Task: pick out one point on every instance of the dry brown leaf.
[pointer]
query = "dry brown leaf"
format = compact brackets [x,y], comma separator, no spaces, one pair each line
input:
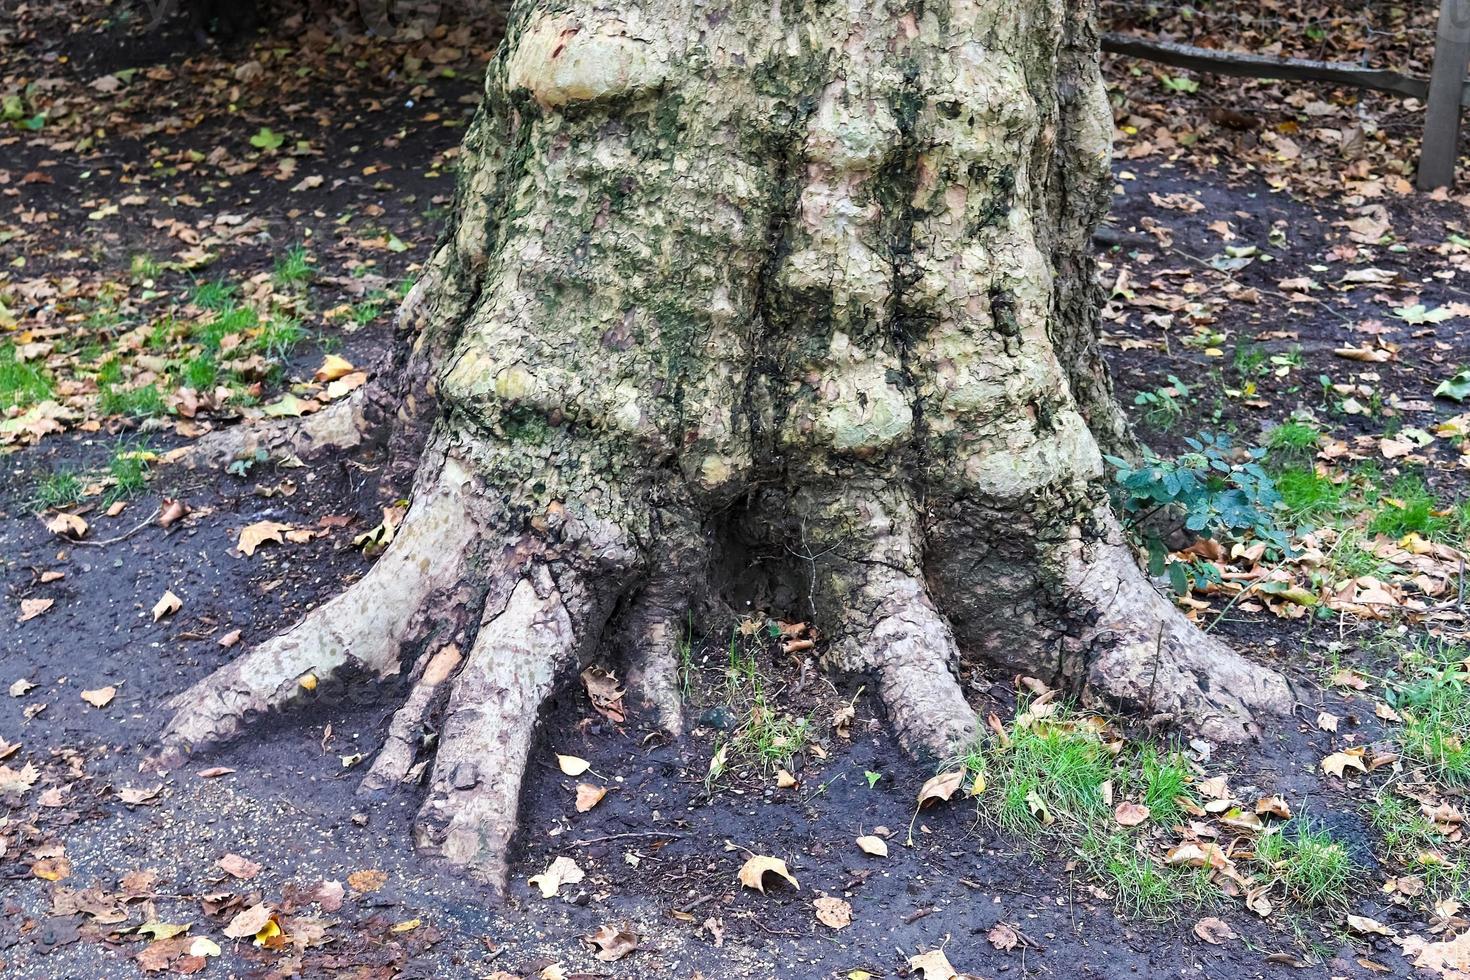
[1131,814]
[875,846]
[252,536]
[237,866]
[1003,936]
[65,525]
[31,608]
[1214,931]
[333,367]
[941,787]
[101,697]
[1338,762]
[367,880]
[588,796]
[612,944]
[753,872]
[833,913]
[249,922]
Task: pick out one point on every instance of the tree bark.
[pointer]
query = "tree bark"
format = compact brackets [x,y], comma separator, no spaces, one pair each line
[805,280]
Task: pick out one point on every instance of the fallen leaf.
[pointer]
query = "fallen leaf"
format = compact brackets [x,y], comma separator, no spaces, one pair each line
[833,913]
[67,526]
[214,772]
[31,608]
[1214,931]
[1368,926]
[21,688]
[562,871]
[252,536]
[167,605]
[588,796]
[941,787]
[1002,936]
[249,922]
[571,765]
[101,697]
[753,872]
[367,880]
[1336,763]
[237,866]
[1131,814]
[875,846]
[612,944]
[933,964]
[333,367]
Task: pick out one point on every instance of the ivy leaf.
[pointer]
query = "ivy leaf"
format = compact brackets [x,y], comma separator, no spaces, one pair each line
[1456,388]
[266,139]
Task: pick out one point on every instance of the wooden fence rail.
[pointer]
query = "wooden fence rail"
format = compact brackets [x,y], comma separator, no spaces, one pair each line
[1445,92]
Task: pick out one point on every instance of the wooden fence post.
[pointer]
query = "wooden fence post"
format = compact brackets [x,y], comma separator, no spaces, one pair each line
[1446,84]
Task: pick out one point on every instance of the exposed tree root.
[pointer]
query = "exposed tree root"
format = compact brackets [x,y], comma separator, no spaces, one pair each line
[362,627]
[395,763]
[344,424]
[1152,660]
[521,650]
[655,631]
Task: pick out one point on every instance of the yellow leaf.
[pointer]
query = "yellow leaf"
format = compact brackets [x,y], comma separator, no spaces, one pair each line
[562,871]
[162,930]
[67,526]
[204,946]
[408,926]
[753,872]
[167,605]
[333,367]
[571,765]
[267,932]
[1338,762]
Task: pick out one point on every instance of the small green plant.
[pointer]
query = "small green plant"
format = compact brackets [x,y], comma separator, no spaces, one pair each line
[1164,406]
[279,337]
[872,777]
[1409,507]
[200,373]
[1141,885]
[57,490]
[294,269]
[1307,495]
[1215,492]
[22,384]
[128,466]
[1293,440]
[1312,866]
[142,402]
[217,295]
[144,266]
[1249,360]
[1429,692]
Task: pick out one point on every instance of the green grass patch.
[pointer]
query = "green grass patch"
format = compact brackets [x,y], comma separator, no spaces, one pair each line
[22,384]
[1307,495]
[1140,884]
[217,295]
[58,490]
[1312,866]
[1429,692]
[139,403]
[128,466]
[293,269]
[1408,507]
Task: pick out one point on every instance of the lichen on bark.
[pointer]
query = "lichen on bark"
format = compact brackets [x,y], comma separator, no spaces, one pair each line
[812,277]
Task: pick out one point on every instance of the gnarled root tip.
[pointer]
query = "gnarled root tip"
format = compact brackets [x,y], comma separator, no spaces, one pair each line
[1149,658]
[485,741]
[655,634]
[365,626]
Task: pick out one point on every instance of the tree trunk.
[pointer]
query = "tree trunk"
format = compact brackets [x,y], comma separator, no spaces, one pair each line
[807,280]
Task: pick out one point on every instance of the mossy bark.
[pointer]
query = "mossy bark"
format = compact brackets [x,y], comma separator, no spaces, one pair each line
[809,277]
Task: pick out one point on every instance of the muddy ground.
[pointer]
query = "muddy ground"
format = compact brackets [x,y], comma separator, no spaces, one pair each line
[661,852]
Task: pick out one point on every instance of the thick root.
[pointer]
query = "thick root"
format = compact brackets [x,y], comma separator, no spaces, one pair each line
[342,425]
[521,650]
[395,764]
[890,626]
[1151,659]
[655,633]
[366,626]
